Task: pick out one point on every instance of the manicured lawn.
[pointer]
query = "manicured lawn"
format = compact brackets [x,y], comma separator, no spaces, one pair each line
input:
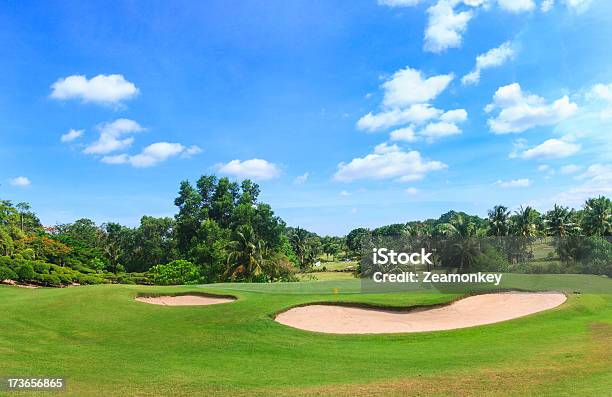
[103,342]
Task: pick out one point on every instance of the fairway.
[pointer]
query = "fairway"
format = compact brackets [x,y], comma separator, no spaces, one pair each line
[101,340]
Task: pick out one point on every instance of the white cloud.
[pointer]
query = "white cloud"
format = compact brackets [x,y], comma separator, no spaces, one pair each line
[492,58]
[444,26]
[256,169]
[150,156]
[570,169]
[191,151]
[596,181]
[405,134]
[20,181]
[454,116]
[439,130]
[408,86]
[301,179]
[412,191]
[517,145]
[551,148]
[385,148]
[102,89]
[71,135]
[344,193]
[578,5]
[111,134]
[117,159]
[547,5]
[396,163]
[521,111]
[446,126]
[156,153]
[602,91]
[523,182]
[599,172]
[544,168]
[517,5]
[416,114]
[399,3]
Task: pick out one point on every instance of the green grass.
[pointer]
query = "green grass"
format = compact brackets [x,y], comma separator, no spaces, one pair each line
[104,342]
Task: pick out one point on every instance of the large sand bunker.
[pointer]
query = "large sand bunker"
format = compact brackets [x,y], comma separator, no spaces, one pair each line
[184,300]
[468,312]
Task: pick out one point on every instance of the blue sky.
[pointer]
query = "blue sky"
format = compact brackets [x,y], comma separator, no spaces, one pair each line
[347,113]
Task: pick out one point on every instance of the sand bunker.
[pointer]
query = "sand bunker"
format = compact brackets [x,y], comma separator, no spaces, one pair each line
[184,300]
[468,312]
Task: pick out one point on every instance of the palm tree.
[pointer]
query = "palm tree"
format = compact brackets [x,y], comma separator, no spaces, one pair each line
[248,256]
[458,226]
[559,221]
[525,222]
[498,220]
[597,219]
[300,242]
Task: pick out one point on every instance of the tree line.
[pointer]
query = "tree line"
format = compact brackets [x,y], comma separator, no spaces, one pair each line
[223,232]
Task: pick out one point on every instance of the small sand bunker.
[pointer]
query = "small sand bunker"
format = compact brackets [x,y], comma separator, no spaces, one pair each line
[184,300]
[468,312]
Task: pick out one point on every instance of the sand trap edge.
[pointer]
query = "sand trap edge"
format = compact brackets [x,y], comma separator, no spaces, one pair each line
[165,299]
[410,309]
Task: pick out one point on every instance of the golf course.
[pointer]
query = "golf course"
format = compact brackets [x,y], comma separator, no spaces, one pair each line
[102,341]
[301,198]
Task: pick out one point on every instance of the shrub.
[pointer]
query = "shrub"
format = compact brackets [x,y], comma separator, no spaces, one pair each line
[6,273]
[65,278]
[41,268]
[89,280]
[83,269]
[25,272]
[175,272]
[51,280]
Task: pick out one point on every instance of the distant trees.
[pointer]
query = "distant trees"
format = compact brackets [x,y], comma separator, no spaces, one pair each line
[222,230]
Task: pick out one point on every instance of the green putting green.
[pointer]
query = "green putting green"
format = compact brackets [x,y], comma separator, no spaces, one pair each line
[101,340]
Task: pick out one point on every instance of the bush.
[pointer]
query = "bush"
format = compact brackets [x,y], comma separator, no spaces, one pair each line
[65,278]
[89,280]
[48,280]
[25,272]
[52,280]
[175,273]
[41,268]
[6,273]
[82,269]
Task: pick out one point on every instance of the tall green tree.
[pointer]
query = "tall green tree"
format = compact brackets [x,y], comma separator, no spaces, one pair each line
[560,222]
[499,222]
[597,217]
